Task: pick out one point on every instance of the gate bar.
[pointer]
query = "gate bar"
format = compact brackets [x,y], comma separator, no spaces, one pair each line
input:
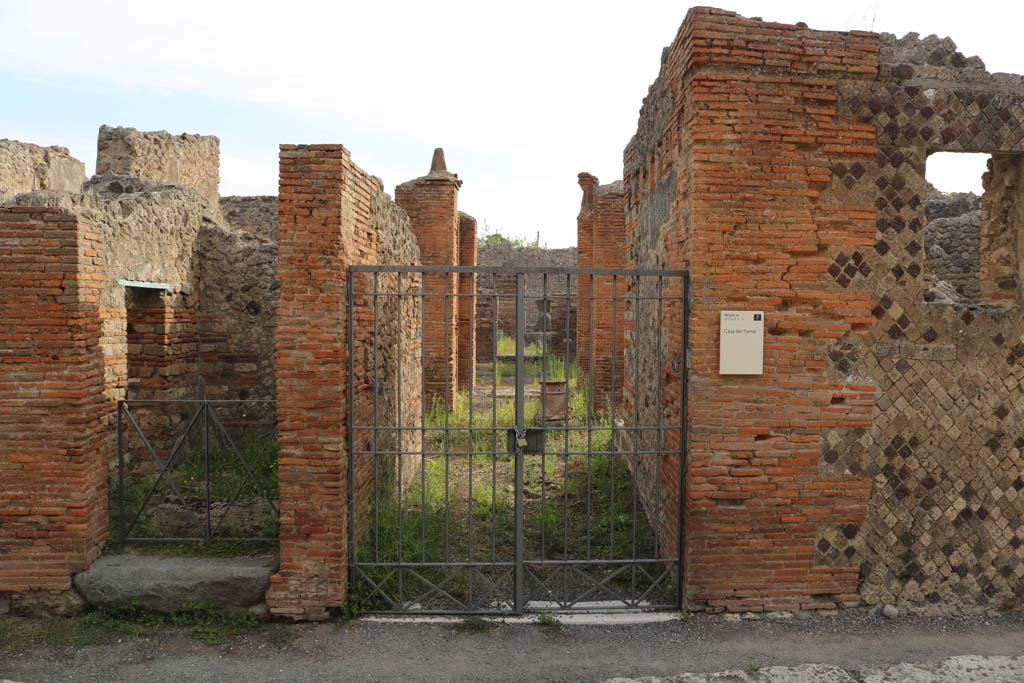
[520,424]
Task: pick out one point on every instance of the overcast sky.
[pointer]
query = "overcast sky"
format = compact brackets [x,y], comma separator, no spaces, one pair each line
[521,95]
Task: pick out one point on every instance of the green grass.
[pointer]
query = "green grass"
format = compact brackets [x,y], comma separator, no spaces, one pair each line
[229,480]
[550,623]
[474,624]
[575,506]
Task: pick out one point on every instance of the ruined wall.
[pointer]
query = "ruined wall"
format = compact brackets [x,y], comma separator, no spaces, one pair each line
[332,215]
[257,215]
[875,459]
[147,232]
[191,160]
[25,167]
[500,291]
[952,242]
[238,292]
[52,467]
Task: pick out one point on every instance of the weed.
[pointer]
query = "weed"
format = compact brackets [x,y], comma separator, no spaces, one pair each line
[475,624]
[550,623]
[753,668]
[205,624]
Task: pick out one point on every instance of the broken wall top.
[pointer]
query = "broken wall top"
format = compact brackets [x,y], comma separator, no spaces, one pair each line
[186,159]
[25,167]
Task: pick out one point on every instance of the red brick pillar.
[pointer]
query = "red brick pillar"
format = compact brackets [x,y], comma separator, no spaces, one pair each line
[467,304]
[311,364]
[603,303]
[432,204]
[584,259]
[53,485]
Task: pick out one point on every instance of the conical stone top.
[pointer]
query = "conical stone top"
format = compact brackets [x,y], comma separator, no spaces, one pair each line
[437,164]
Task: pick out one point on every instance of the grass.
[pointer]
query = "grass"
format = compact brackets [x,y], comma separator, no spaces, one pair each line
[204,624]
[579,501]
[550,623]
[474,624]
[229,480]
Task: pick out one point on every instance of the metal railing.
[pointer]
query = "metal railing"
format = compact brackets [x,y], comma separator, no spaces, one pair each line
[183,476]
[475,500]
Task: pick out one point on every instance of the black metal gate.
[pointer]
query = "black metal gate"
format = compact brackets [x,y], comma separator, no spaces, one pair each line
[547,476]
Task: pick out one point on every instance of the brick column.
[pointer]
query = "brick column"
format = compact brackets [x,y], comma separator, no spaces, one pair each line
[53,486]
[432,204]
[584,259]
[311,364]
[467,304]
[601,235]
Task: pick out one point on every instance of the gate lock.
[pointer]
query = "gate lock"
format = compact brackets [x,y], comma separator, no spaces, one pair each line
[530,440]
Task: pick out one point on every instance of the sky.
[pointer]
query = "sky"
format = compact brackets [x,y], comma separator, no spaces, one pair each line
[522,96]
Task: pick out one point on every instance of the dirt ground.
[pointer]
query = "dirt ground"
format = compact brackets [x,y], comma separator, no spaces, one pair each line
[373,651]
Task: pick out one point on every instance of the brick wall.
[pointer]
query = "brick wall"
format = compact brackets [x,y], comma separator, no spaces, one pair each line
[331,215]
[467,304]
[431,202]
[726,176]
[602,323]
[52,472]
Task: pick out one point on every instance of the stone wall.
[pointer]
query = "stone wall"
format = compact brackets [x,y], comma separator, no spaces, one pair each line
[257,215]
[952,241]
[191,160]
[25,167]
[135,290]
[942,450]
[332,215]
[148,232]
[237,300]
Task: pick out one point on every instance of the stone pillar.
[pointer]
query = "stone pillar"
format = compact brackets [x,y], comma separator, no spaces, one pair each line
[311,399]
[53,484]
[467,302]
[432,204]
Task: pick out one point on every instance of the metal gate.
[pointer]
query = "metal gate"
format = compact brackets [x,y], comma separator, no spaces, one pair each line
[516,438]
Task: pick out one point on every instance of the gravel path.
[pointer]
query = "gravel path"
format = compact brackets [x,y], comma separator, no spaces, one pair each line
[366,651]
